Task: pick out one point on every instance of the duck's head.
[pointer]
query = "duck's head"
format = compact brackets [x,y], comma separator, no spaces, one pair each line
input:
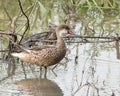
[63,29]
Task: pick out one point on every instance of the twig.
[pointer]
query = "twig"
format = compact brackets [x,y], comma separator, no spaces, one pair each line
[4,50]
[20,15]
[71,39]
[68,41]
[87,84]
[78,36]
[89,41]
[88,91]
[83,72]
[7,13]
[27,21]
[9,34]
[24,70]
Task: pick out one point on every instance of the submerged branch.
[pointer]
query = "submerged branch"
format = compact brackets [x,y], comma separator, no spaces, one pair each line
[80,39]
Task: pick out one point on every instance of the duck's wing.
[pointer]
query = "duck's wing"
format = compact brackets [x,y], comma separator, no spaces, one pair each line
[35,48]
[38,48]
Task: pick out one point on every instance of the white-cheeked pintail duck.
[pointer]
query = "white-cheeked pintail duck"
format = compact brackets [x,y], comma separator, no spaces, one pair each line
[46,55]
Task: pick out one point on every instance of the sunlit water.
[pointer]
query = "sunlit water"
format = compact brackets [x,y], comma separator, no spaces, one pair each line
[98,75]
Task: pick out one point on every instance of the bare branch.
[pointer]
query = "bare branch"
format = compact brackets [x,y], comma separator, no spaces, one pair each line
[7,13]
[26,18]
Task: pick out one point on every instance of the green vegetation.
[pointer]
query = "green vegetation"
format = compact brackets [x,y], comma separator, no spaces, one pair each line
[42,11]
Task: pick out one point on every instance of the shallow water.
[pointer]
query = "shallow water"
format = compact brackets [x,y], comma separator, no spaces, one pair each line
[86,75]
[91,69]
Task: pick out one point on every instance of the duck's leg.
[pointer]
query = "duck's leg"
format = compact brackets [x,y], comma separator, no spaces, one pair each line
[40,71]
[45,75]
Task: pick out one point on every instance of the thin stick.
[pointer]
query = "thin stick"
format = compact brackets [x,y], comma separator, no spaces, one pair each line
[28,24]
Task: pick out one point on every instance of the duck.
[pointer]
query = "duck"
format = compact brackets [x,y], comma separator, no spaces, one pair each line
[46,55]
[39,39]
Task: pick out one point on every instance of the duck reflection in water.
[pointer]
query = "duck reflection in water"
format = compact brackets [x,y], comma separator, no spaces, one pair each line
[39,87]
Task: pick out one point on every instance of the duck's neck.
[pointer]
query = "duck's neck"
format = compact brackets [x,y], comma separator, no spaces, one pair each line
[60,43]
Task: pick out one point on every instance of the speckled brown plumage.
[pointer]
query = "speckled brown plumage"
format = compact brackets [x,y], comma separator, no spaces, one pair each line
[46,55]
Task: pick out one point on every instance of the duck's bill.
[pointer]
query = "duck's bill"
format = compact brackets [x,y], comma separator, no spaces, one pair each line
[70,32]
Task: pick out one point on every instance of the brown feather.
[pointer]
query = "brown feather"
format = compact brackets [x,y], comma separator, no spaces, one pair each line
[46,55]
